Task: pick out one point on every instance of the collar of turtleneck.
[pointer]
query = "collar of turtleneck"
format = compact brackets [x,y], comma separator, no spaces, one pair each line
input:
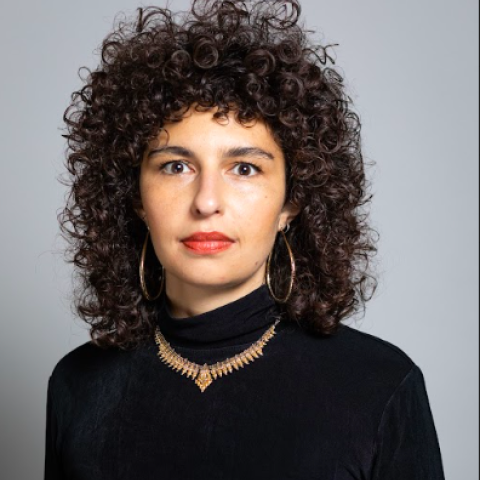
[240,322]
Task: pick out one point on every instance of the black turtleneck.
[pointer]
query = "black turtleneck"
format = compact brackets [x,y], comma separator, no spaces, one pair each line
[239,323]
[347,407]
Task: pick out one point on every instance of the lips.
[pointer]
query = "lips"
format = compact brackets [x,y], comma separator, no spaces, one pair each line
[208,242]
[207,237]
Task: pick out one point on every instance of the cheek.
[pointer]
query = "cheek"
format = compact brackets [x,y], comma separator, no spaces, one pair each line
[158,202]
[258,214]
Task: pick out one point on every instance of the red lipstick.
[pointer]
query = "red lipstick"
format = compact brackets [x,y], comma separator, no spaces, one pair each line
[207,243]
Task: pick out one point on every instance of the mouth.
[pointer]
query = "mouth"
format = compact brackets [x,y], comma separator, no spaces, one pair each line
[207,247]
[207,243]
[207,237]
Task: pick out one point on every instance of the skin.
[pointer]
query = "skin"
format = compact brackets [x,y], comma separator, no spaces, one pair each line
[208,191]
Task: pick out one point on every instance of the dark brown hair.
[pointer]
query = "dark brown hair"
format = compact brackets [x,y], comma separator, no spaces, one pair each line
[256,58]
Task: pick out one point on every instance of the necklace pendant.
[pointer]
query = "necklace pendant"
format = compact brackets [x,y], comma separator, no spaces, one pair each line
[204,378]
[205,374]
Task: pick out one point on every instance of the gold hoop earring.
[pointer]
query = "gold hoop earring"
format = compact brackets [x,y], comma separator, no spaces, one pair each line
[142,273]
[292,276]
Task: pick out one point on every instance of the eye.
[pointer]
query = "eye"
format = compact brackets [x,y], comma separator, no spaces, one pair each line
[248,167]
[178,168]
[164,167]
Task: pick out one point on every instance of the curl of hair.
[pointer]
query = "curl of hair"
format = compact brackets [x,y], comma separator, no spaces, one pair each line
[256,58]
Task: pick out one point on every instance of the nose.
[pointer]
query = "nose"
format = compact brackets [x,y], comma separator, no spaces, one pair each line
[208,194]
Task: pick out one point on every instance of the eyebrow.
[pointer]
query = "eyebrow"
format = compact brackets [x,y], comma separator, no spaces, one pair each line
[237,152]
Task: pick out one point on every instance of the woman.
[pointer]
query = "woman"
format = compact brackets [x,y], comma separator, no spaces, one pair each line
[218,224]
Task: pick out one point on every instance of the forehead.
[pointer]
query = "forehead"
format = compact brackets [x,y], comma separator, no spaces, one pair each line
[202,130]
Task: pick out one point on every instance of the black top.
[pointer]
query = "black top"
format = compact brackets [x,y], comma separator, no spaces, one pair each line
[347,407]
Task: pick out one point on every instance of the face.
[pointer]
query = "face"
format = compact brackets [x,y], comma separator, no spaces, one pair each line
[200,175]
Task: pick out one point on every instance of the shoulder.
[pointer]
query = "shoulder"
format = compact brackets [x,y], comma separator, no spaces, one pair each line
[89,365]
[351,346]
[371,348]
[86,358]
[375,355]
[353,360]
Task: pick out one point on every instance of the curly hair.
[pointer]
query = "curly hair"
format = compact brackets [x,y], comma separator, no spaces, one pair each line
[256,59]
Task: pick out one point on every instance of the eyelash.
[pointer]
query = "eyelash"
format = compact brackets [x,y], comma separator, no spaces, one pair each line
[256,167]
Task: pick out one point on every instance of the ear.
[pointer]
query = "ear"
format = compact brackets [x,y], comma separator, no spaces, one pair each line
[289,212]
[139,210]
[141,213]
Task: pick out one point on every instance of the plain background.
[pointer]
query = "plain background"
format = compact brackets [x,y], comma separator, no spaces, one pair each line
[412,71]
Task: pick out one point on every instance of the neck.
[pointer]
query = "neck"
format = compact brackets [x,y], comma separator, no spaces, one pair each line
[188,300]
[239,322]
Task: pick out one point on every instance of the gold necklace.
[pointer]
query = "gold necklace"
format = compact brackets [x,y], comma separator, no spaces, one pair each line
[203,375]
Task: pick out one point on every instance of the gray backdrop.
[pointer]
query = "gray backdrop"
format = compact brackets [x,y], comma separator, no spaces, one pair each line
[412,69]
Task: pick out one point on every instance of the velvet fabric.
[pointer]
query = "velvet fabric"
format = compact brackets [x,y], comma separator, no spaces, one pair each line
[347,407]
